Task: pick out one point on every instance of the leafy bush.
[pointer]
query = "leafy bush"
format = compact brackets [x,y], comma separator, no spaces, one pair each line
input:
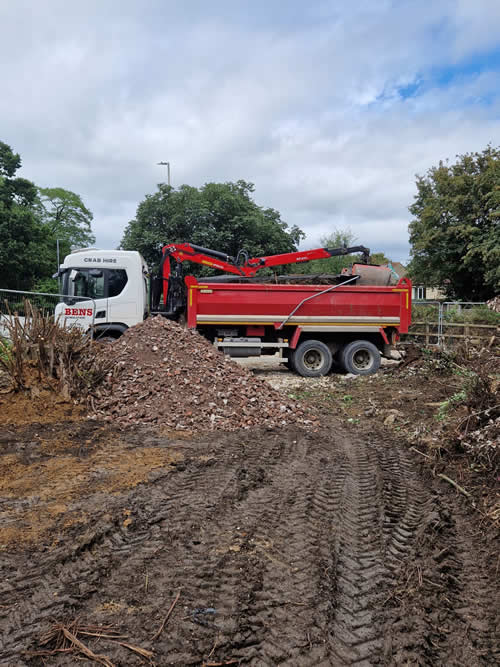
[5,350]
[475,315]
[421,313]
[49,285]
[456,314]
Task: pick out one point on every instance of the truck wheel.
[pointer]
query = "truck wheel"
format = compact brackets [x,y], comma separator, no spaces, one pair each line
[312,358]
[360,358]
[106,339]
[289,361]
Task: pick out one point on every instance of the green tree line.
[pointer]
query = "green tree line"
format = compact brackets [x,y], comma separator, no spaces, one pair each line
[32,220]
[455,231]
[221,216]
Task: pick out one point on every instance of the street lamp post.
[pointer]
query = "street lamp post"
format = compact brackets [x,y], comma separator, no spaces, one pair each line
[166,164]
[58,264]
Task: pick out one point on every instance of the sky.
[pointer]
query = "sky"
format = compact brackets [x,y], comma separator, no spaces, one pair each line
[330,107]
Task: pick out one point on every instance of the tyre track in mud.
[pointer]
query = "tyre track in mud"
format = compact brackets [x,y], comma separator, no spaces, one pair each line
[189,500]
[286,547]
[444,604]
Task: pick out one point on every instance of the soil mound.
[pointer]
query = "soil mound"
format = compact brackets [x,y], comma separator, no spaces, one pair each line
[38,405]
[167,375]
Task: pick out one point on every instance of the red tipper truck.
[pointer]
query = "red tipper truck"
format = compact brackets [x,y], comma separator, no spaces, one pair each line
[349,322]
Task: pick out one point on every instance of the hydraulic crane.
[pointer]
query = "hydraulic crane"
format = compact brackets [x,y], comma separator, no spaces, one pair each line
[168,286]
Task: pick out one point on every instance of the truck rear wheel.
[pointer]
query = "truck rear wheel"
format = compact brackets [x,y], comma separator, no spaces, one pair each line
[312,358]
[360,358]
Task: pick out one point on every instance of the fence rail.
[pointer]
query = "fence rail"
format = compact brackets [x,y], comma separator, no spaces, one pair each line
[434,336]
[441,332]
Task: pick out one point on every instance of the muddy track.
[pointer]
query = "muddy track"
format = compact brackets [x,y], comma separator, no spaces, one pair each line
[286,547]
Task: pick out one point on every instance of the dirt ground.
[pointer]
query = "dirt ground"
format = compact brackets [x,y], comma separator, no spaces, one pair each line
[336,545]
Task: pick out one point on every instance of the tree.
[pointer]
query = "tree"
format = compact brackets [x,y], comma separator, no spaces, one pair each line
[22,239]
[66,216]
[31,220]
[338,238]
[379,258]
[222,216]
[455,233]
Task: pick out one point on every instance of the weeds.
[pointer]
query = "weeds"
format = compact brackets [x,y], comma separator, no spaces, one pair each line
[5,350]
[457,398]
[472,413]
[475,315]
[455,314]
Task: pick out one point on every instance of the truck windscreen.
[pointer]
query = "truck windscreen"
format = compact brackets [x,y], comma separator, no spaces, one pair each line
[79,282]
[94,283]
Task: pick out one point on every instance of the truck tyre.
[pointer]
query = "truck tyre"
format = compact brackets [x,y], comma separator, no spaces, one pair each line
[312,358]
[360,358]
[289,360]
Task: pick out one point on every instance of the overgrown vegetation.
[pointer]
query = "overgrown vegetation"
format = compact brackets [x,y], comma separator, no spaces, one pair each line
[476,315]
[40,349]
[470,417]
[455,314]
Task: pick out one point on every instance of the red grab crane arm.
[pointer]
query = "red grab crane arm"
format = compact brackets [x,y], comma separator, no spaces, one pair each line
[182,252]
[251,266]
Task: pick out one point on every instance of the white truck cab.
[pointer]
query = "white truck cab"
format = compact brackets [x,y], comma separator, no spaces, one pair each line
[106,291]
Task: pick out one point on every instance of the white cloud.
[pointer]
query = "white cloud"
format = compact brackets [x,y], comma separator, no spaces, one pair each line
[304,101]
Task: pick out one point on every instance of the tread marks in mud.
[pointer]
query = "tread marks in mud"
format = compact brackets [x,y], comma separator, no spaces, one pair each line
[295,549]
[297,546]
[229,544]
[354,636]
[439,610]
[405,503]
[105,544]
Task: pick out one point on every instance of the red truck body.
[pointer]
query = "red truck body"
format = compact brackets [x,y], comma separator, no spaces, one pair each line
[258,307]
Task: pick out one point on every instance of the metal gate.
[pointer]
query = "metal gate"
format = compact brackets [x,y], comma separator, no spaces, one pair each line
[432,323]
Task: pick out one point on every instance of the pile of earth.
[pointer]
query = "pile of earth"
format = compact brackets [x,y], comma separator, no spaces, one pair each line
[171,376]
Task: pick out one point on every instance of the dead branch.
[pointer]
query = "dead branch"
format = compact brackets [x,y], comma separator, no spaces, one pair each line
[160,630]
[101,659]
[453,483]
[421,453]
[137,649]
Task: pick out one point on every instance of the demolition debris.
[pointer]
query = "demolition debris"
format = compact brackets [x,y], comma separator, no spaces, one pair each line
[171,376]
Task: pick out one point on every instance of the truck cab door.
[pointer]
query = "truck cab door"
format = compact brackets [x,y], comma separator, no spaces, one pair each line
[123,302]
[96,289]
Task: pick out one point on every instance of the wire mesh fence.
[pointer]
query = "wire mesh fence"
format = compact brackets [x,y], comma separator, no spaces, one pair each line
[446,323]
[425,318]
[13,303]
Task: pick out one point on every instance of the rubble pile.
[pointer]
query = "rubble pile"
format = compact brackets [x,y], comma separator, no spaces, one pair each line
[167,375]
